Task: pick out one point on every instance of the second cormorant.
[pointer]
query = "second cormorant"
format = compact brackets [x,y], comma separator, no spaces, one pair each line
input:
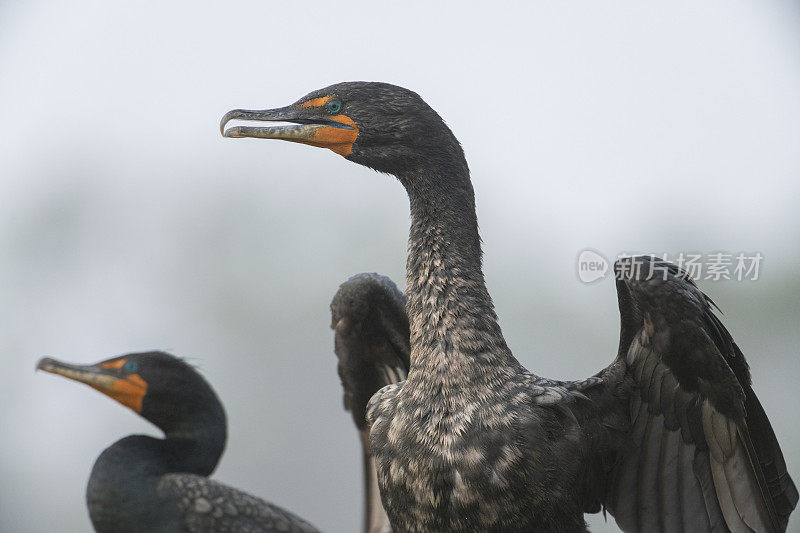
[142,484]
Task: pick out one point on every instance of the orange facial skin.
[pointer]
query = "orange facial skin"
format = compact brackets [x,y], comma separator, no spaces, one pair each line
[129,391]
[119,363]
[316,102]
[339,140]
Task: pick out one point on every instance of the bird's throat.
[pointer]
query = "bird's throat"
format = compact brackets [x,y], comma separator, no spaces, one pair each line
[455,337]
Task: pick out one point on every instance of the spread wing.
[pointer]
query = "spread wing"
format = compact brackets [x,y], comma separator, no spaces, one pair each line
[206,505]
[372,345]
[703,455]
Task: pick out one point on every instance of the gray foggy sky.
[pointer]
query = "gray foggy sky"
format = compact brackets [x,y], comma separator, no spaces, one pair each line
[127,223]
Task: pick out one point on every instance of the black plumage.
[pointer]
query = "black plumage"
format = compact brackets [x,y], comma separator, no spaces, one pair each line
[146,484]
[372,345]
[371,339]
[663,438]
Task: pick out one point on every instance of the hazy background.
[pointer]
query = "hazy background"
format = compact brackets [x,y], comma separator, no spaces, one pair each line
[127,223]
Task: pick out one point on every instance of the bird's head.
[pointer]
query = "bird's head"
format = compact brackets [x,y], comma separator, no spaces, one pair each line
[378,125]
[160,387]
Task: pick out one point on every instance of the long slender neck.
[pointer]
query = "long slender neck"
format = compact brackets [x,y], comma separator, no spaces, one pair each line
[455,337]
[122,486]
[197,446]
[195,443]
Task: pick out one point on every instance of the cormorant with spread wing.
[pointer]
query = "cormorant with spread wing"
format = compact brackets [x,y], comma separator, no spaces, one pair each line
[669,437]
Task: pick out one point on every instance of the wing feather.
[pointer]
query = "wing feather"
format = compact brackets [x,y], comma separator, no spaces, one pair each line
[693,507]
[647,486]
[669,400]
[693,464]
[372,345]
[668,481]
[702,471]
[654,389]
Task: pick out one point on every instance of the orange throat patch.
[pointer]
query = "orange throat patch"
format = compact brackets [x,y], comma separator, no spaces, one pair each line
[339,140]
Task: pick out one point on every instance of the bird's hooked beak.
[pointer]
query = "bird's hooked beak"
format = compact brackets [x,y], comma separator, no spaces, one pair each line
[106,377]
[310,125]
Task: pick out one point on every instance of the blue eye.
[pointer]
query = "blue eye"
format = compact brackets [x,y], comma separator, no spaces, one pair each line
[131,367]
[333,107]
